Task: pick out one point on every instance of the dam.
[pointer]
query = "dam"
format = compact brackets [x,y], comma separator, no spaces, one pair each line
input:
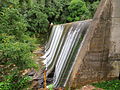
[62,49]
[87,51]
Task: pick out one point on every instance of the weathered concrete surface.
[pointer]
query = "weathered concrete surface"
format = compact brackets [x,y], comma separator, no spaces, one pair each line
[92,63]
[114,54]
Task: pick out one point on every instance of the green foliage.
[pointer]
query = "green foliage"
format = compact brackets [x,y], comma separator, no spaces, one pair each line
[37,20]
[14,57]
[17,53]
[78,11]
[92,6]
[109,85]
[51,86]
[53,9]
[16,48]
[15,82]
[9,3]
[12,22]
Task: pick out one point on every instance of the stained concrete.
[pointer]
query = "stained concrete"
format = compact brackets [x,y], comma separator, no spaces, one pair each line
[100,48]
[114,51]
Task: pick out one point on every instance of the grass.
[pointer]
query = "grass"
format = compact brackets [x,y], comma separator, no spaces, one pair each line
[108,85]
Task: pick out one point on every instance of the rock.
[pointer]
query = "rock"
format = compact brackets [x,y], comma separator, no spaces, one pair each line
[31,73]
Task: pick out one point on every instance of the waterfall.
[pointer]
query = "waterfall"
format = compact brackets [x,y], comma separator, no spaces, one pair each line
[62,49]
[53,42]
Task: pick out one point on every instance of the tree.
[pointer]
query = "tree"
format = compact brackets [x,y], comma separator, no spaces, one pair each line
[92,6]
[15,50]
[12,22]
[37,20]
[78,11]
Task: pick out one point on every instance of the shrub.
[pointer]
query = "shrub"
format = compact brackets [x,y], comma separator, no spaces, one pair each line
[15,57]
[92,6]
[109,85]
[15,82]
[16,48]
[12,22]
[37,20]
[78,11]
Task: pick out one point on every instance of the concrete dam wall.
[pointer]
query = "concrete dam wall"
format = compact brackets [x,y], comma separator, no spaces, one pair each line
[85,51]
[62,49]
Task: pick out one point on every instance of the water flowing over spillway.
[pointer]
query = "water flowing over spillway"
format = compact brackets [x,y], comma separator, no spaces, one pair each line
[62,50]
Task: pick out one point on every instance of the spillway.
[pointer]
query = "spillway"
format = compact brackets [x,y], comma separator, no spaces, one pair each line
[62,49]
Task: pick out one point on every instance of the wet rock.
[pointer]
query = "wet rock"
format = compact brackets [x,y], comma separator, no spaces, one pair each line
[31,73]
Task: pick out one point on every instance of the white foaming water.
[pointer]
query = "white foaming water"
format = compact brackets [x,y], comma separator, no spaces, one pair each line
[51,41]
[66,50]
[62,50]
[54,43]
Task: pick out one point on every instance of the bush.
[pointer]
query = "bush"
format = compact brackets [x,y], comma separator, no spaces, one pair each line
[17,53]
[16,48]
[37,20]
[78,11]
[12,22]
[15,82]
[108,85]
[92,6]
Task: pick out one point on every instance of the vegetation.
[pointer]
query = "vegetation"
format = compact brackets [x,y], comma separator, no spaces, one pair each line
[109,85]
[78,11]
[40,13]
[22,22]
[16,48]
